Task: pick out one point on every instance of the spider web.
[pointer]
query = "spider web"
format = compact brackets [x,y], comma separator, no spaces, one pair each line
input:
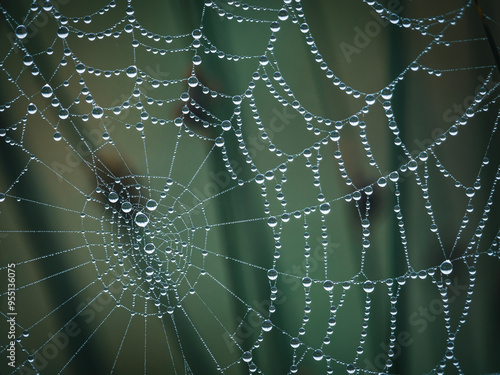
[182,194]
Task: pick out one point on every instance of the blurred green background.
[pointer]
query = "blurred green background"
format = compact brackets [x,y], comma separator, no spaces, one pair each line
[75,327]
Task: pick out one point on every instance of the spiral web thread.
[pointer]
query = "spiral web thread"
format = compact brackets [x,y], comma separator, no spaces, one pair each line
[144,234]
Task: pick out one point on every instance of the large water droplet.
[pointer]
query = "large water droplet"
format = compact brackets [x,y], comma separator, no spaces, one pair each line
[237,100]
[149,248]
[196,34]
[259,178]
[226,125]
[351,369]
[21,32]
[335,136]
[370,99]
[113,197]
[149,270]
[272,274]
[32,109]
[275,26]
[387,93]
[295,342]
[57,136]
[219,141]
[325,208]
[192,81]
[354,120]
[446,267]
[151,205]
[263,60]
[307,282]
[47,91]
[196,60]
[328,285]
[382,182]
[63,113]
[272,222]
[131,71]
[141,219]
[126,207]
[304,28]
[283,14]
[63,32]
[247,356]
[267,325]
[368,286]
[97,112]
[318,354]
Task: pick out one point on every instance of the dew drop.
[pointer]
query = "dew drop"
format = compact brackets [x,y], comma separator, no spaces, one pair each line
[446,267]
[226,125]
[412,165]
[149,248]
[126,207]
[295,342]
[263,60]
[387,93]
[318,355]
[149,270]
[304,28]
[283,14]
[131,71]
[32,109]
[192,81]
[219,142]
[368,286]
[141,219]
[394,176]
[370,99]
[275,26]
[2,197]
[63,32]
[47,91]
[272,274]
[196,60]
[63,113]
[237,100]
[267,325]
[57,136]
[113,197]
[328,285]
[151,205]
[97,112]
[272,222]
[335,136]
[325,208]
[21,32]
[247,356]
[354,120]
[196,34]
[470,192]
[307,282]
[382,181]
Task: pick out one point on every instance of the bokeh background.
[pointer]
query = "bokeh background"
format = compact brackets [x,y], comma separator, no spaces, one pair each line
[74,325]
